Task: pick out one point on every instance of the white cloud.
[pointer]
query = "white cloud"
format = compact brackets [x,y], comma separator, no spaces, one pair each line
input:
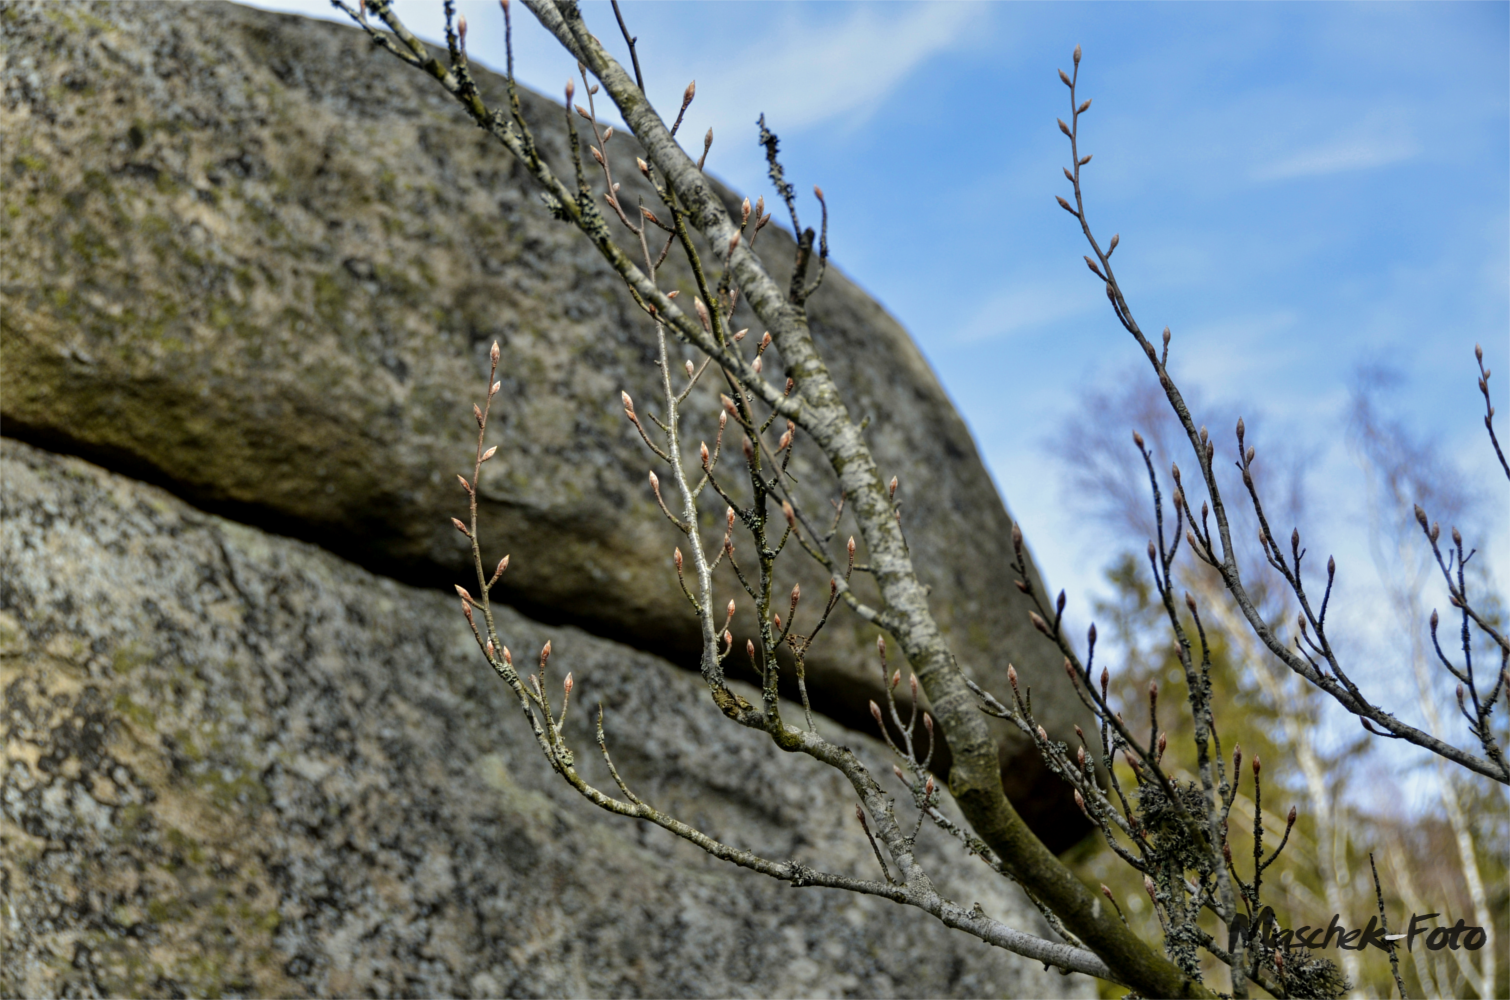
[809,73]
[1023,308]
[1376,142]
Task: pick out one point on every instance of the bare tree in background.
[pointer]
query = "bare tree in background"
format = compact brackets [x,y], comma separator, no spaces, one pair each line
[1170,828]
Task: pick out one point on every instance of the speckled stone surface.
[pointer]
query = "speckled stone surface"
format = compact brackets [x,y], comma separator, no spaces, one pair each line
[254,260]
[239,765]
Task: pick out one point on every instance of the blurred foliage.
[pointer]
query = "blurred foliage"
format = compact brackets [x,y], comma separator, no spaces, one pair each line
[1324,868]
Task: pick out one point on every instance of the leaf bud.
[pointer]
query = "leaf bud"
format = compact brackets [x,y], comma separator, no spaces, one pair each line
[462,591]
[493,391]
[545,653]
[850,545]
[1420,516]
[461,527]
[1038,622]
[464,484]
[488,649]
[1457,537]
[875,710]
[1066,78]
[490,453]
[744,213]
[750,649]
[791,515]
[702,451]
[702,313]
[571,88]
[689,93]
[1163,743]
[1063,127]
[1043,735]
[892,487]
[1077,55]
[1012,676]
[1257,765]
[928,724]
[1084,107]
[493,353]
[1290,820]
[568,684]
[928,788]
[1436,531]
[1090,634]
[1190,602]
[477,413]
[1080,801]
[896,678]
[1137,439]
[1434,619]
[676,558]
[644,167]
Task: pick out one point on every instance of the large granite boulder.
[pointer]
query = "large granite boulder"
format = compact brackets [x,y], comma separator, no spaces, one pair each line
[239,765]
[253,260]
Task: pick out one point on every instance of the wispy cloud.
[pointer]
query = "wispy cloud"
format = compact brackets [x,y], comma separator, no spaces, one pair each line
[1376,142]
[1024,308]
[811,73]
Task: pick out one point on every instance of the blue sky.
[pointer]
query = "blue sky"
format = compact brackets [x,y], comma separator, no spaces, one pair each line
[1300,189]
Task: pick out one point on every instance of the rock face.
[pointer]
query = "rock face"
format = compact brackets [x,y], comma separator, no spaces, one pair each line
[239,765]
[256,261]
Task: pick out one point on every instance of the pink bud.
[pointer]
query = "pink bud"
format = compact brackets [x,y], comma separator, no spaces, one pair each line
[568,683]
[545,653]
[896,678]
[1012,676]
[493,353]
[461,527]
[875,711]
[571,88]
[731,607]
[676,557]
[503,564]
[1043,735]
[464,595]
[507,656]
[488,649]
[490,453]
